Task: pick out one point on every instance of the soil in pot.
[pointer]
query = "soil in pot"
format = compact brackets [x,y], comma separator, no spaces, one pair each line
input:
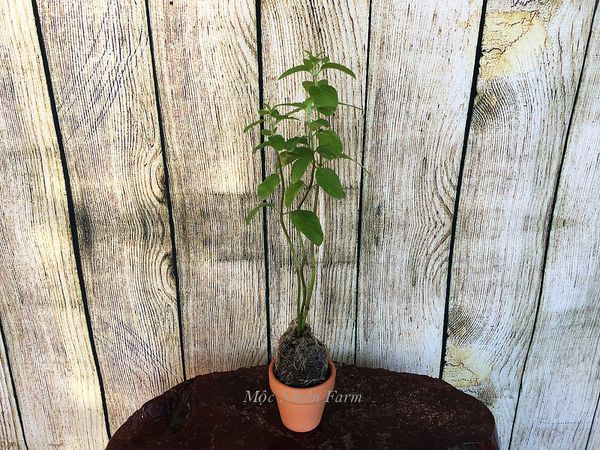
[302,360]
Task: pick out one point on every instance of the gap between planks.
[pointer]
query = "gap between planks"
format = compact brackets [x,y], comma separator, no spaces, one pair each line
[472,95]
[167,192]
[263,168]
[71,209]
[362,181]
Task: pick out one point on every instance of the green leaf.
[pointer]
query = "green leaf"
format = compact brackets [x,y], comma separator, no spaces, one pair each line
[339,67]
[291,143]
[326,153]
[266,132]
[287,158]
[294,111]
[252,213]
[266,188]
[307,85]
[299,168]
[253,124]
[316,124]
[291,192]
[262,112]
[286,117]
[307,223]
[279,117]
[330,182]
[309,63]
[330,145]
[300,68]
[277,142]
[303,152]
[325,98]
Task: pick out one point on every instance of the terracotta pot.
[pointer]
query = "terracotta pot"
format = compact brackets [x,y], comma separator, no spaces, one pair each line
[301,409]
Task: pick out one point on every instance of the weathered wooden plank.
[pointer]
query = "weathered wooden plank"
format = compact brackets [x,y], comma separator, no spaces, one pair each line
[341,31]
[561,382]
[11,434]
[40,301]
[208,87]
[532,57]
[420,74]
[101,71]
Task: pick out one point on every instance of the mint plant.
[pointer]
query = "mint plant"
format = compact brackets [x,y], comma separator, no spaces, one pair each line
[305,164]
[311,156]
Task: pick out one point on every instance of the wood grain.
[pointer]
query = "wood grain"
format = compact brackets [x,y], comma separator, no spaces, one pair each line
[561,382]
[532,58]
[100,65]
[40,301]
[341,31]
[208,86]
[11,434]
[421,66]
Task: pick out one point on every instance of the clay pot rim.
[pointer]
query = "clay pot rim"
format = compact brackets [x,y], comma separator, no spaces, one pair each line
[277,385]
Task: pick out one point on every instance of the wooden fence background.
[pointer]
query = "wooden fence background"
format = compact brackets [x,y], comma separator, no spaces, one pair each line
[471,251]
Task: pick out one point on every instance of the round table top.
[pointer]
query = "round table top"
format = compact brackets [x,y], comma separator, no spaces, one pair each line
[369,408]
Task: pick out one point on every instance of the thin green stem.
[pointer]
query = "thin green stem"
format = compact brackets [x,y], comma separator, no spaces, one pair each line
[313,268]
[309,187]
[288,238]
[311,284]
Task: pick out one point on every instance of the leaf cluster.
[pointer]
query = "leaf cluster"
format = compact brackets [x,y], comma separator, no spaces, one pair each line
[308,153]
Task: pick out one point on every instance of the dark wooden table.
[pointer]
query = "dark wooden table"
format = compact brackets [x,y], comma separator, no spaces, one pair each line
[222,410]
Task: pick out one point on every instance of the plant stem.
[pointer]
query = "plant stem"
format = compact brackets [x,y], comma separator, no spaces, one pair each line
[313,268]
[310,185]
[297,270]
[311,284]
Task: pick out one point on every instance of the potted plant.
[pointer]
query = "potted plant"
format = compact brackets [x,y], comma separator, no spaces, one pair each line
[302,374]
